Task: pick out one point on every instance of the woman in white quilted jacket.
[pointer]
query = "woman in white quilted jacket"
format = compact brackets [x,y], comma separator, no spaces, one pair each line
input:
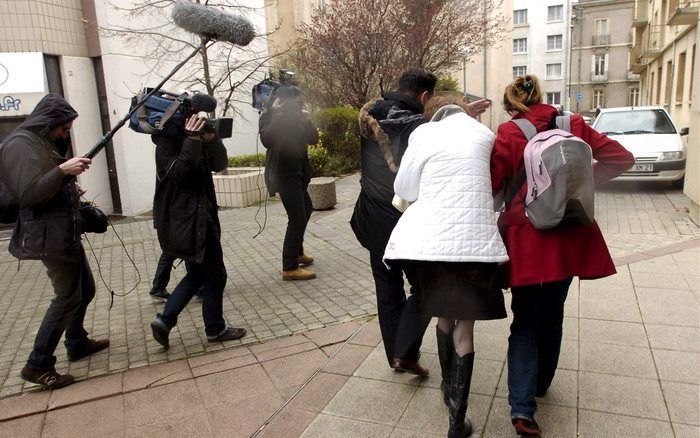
[449,234]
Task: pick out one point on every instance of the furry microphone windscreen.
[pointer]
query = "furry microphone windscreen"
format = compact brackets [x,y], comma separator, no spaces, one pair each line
[203,102]
[212,23]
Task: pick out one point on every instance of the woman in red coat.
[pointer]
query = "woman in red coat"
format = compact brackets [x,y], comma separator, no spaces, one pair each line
[543,262]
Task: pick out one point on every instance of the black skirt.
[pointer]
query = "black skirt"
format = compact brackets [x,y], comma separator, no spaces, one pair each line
[459,290]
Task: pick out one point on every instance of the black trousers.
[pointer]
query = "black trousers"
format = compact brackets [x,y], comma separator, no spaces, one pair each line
[74,287]
[210,276]
[297,204]
[162,276]
[400,322]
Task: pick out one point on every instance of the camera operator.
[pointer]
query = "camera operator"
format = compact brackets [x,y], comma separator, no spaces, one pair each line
[34,169]
[185,215]
[286,132]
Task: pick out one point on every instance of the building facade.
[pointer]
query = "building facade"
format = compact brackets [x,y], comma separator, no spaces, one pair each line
[600,56]
[541,45]
[56,47]
[665,55]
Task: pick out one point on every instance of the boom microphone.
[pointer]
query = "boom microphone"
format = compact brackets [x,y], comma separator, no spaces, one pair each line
[203,102]
[211,23]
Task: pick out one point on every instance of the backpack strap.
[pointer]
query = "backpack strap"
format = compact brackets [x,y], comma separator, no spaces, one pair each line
[514,185]
[564,122]
[526,127]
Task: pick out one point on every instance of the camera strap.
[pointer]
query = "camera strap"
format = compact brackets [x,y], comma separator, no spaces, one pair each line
[172,109]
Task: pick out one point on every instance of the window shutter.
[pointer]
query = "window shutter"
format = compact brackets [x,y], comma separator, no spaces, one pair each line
[593,65]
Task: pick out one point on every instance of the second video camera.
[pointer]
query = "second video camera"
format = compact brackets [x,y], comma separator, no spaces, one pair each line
[166,113]
[266,92]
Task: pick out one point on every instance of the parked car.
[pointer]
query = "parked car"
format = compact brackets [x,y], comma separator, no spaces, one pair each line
[652,137]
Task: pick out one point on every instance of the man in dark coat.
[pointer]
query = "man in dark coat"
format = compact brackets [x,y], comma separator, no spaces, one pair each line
[286,132]
[385,126]
[34,168]
[185,215]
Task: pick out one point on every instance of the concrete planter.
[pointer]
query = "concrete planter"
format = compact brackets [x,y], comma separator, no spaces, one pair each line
[322,193]
[240,186]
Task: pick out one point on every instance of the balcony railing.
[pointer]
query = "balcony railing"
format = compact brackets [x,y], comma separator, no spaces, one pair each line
[651,42]
[599,77]
[683,12]
[632,77]
[601,40]
[641,17]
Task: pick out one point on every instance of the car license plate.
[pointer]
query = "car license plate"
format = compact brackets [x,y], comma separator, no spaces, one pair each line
[642,168]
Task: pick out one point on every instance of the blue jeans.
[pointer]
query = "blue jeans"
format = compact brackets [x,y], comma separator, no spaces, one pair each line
[534,343]
[162,276]
[211,274]
[74,287]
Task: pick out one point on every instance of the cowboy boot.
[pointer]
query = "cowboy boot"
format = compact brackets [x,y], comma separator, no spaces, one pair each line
[462,367]
[446,350]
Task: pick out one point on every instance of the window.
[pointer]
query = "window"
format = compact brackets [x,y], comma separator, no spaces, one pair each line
[600,65]
[680,80]
[553,71]
[554,98]
[633,97]
[669,83]
[601,36]
[598,99]
[650,91]
[520,16]
[654,121]
[519,70]
[554,42]
[658,85]
[601,27]
[520,45]
[555,13]
[692,73]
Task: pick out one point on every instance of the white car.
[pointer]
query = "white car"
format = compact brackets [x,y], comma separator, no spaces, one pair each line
[651,136]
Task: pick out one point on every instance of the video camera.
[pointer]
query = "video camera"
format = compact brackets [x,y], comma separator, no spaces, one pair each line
[266,92]
[166,113]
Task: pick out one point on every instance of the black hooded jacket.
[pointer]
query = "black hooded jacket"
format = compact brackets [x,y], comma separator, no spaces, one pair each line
[385,126]
[185,195]
[49,222]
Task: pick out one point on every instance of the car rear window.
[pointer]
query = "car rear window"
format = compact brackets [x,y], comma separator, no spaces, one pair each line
[635,122]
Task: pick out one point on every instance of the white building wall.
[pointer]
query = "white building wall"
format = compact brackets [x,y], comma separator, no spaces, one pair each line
[80,90]
[536,31]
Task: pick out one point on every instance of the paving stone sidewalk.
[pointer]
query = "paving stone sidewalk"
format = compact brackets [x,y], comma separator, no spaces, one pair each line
[636,222]
[628,369]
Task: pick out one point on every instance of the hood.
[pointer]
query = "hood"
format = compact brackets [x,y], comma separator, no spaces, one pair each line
[388,117]
[540,115]
[51,111]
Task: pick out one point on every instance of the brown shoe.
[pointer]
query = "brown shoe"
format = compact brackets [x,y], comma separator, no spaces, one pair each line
[306,260]
[92,346]
[49,379]
[409,366]
[297,274]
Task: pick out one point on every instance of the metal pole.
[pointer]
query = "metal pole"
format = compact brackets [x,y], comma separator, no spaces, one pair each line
[464,73]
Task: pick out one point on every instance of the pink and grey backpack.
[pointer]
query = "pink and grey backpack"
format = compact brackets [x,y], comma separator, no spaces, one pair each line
[559,176]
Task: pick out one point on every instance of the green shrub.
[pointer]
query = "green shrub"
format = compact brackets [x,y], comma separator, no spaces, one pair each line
[340,136]
[250,160]
[319,160]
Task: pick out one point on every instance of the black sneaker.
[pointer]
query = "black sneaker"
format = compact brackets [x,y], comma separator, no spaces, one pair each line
[159,294]
[161,332]
[229,334]
[49,379]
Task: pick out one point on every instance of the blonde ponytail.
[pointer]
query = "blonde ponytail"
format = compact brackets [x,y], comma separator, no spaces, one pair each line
[522,93]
